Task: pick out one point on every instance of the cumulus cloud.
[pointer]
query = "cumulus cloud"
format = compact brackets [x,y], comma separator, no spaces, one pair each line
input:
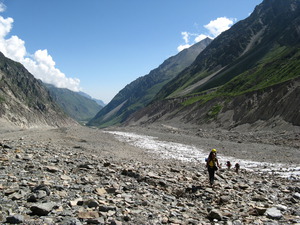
[219,25]
[186,37]
[214,27]
[40,64]
[201,37]
[181,47]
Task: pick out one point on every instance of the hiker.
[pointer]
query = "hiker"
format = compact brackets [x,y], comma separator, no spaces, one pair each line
[237,167]
[212,165]
[228,164]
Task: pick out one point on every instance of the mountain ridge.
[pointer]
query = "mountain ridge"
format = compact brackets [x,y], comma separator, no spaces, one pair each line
[233,46]
[140,92]
[77,105]
[255,55]
[24,101]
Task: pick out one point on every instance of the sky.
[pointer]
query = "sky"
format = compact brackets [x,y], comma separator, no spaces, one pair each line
[100,46]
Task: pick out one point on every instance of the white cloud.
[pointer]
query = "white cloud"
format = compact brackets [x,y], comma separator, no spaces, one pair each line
[219,25]
[40,64]
[5,26]
[185,36]
[2,7]
[201,37]
[214,27]
[181,47]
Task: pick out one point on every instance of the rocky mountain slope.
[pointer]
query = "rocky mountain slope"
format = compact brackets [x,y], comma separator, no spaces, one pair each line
[247,77]
[24,101]
[140,92]
[76,105]
[98,101]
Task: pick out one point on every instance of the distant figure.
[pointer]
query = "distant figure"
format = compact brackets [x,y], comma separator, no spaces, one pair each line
[212,165]
[228,164]
[237,167]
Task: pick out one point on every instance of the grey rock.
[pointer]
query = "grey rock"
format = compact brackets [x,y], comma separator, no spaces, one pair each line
[224,199]
[42,209]
[91,203]
[273,213]
[104,208]
[215,214]
[296,195]
[15,219]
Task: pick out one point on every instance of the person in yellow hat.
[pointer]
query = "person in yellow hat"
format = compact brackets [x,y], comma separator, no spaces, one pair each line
[212,165]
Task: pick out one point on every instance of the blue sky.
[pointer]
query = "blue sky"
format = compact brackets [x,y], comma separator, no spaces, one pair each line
[100,46]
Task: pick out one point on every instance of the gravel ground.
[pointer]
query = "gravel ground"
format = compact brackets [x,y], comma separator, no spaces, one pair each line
[273,147]
[283,147]
[80,175]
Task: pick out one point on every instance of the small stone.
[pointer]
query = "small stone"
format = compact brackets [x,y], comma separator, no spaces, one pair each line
[243,186]
[215,214]
[257,211]
[65,177]
[88,215]
[224,199]
[165,220]
[282,207]
[75,202]
[273,213]
[52,169]
[15,219]
[42,209]
[91,203]
[101,191]
[259,198]
[104,208]
[296,195]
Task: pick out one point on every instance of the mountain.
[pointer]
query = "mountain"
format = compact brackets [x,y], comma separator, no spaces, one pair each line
[24,101]
[249,76]
[140,92]
[99,102]
[75,104]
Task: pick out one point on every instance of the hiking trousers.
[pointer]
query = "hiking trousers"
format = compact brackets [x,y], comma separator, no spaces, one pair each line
[211,173]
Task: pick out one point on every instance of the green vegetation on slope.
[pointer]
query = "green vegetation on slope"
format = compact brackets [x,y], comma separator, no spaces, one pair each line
[279,65]
[75,105]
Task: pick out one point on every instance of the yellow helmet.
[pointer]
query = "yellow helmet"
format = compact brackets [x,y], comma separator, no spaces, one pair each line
[213,150]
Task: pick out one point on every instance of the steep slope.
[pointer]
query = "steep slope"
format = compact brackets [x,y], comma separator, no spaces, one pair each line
[24,101]
[140,92]
[98,101]
[249,75]
[273,24]
[80,108]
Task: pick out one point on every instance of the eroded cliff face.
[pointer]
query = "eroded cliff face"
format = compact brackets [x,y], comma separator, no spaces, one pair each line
[24,101]
[276,107]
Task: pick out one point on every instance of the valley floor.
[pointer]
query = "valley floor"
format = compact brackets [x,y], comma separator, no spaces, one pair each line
[88,176]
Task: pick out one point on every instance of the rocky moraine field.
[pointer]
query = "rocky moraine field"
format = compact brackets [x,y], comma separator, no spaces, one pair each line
[147,175]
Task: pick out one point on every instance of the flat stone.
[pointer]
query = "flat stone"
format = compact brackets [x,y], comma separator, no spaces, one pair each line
[273,213]
[88,215]
[15,219]
[42,209]
[101,191]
